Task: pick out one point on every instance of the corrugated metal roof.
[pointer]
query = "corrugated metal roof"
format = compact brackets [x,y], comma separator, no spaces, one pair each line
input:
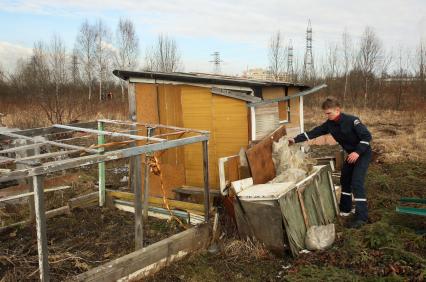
[203,78]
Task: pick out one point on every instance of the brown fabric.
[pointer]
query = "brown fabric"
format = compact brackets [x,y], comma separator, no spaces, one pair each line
[260,157]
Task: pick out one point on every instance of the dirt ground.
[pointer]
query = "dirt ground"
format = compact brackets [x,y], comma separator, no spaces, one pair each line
[87,238]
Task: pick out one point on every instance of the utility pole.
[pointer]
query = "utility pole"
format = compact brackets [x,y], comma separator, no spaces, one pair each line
[308,64]
[216,62]
[290,70]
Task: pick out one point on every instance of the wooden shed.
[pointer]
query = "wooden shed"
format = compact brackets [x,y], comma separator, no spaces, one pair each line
[222,105]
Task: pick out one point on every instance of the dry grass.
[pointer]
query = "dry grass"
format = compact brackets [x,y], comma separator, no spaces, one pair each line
[397,135]
[30,115]
[238,249]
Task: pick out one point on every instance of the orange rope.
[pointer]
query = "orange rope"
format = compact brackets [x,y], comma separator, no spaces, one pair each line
[155,168]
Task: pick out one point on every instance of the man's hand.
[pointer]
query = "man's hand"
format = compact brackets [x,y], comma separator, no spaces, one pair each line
[291,141]
[352,157]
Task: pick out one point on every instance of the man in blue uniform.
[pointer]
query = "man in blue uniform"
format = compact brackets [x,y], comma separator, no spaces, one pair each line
[355,139]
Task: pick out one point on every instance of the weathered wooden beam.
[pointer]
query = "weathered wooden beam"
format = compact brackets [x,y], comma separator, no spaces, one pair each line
[21,148]
[83,201]
[48,130]
[47,155]
[94,159]
[14,197]
[137,187]
[158,201]
[206,181]
[101,167]
[62,145]
[41,228]
[135,168]
[109,133]
[137,264]
[146,180]
[154,125]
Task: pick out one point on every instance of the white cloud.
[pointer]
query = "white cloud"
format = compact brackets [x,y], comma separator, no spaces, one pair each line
[251,22]
[10,53]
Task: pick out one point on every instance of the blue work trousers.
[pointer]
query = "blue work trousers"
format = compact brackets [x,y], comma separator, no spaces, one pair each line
[352,181]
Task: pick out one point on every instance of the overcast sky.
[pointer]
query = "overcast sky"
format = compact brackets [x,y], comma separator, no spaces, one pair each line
[238,29]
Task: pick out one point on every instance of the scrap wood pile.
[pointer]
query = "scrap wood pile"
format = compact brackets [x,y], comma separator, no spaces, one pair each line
[285,187]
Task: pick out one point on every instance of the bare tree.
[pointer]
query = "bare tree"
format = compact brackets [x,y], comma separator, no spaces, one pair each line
[421,68]
[332,69]
[347,61]
[276,55]
[163,56]
[57,61]
[40,68]
[369,53]
[383,67]
[102,52]
[127,45]
[402,74]
[85,46]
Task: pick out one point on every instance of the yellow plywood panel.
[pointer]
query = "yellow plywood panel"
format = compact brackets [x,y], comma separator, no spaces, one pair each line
[294,108]
[146,103]
[197,114]
[161,104]
[269,93]
[230,125]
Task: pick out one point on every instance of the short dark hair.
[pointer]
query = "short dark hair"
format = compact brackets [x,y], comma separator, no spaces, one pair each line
[330,103]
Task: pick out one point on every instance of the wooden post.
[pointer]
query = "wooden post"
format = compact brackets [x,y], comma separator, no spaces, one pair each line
[137,188]
[24,154]
[146,181]
[41,228]
[206,181]
[101,166]
[136,176]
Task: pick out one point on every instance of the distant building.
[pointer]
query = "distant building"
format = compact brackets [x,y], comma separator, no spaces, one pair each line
[263,74]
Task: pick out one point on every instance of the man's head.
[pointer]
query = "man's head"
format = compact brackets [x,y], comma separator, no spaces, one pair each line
[331,108]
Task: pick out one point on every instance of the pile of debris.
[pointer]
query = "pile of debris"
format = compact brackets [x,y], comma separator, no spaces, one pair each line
[288,196]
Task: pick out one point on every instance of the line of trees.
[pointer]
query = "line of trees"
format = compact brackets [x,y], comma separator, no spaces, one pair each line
[362,73]
[57,79]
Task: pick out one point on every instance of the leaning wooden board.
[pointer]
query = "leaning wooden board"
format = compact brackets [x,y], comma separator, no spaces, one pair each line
[260,157]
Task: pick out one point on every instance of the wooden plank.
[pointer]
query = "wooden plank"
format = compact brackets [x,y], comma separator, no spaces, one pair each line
[14,197]
[136,175]
[187,241]
[260,157]
[189,190]
[198,114]
[41,228]
[146,174]
[58,211]
[48,130]
[137,187]
[58,144]
[83,201]
[101,167]
[108,133]
[158,201]
[206,181]
[94,159]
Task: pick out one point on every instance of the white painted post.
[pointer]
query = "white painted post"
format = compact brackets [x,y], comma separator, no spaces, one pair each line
[41,228]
